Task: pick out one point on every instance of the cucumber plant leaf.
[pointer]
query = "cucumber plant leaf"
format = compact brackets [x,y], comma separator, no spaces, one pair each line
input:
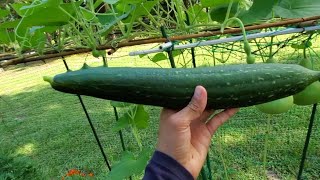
[42,5]
[123,122]
[129,165]
[297,8]
[302,45]
[218,13]
[136,116]
[109,19]
[196,14]
[141,117]
[162,56]
[119,104]
[111,1]
[52,16]
[159,57]
[4,13]
[213,3]
[88,15]
[139,9]
[6,37]
[17,8]
[260,9]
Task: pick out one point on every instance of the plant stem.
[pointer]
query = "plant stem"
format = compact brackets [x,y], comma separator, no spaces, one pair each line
[222,159]
[179,5]
[265,150]
[92,43]
[270,48]
[305,46]
[227,16]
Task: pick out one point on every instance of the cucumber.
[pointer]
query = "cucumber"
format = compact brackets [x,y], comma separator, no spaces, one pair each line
[306,63]
[309,95]
[228,86]
[251,59]
[95,53]
[277,106]
[247,48]
[271,60]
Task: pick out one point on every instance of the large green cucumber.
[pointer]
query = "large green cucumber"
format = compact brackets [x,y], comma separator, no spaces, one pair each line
[227,86]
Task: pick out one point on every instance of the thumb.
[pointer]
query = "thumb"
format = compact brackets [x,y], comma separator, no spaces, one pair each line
[196,106]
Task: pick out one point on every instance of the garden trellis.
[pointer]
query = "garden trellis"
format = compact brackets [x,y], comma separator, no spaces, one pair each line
[183,27]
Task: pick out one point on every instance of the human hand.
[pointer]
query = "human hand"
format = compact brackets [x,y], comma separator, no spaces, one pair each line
[186,135]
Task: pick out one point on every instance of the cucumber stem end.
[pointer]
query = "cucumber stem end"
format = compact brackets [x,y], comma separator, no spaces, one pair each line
[48,79]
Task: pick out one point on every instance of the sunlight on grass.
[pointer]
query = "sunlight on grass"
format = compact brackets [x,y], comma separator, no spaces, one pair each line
[231,139]
[26,149]
[54,106]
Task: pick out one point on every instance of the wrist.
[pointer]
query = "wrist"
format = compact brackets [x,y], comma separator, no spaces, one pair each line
[181,162]
[173,165]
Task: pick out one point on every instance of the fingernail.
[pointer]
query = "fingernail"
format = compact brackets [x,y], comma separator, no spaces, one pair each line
[197,92]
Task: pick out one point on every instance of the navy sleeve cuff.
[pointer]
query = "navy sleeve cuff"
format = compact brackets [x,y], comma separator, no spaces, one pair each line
[164,167]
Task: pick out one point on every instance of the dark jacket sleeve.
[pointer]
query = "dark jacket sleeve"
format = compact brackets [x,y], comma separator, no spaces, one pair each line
[164,167]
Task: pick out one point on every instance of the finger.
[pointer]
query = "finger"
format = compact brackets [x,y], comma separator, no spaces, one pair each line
[203,118]
[219,119]
[196,106]
[165,113]
[206,114]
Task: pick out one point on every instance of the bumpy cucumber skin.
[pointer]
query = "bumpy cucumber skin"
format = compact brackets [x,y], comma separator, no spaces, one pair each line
[227,86]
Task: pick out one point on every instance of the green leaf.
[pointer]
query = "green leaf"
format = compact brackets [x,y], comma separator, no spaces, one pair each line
[17,7]
[213,3]
[139,10]
[129,165]
[297,8]
[302,45]
[135,116]
[43,5]
[4,13]
[196,13]
[159,57]
[119,104]
[9,24]
[141,118]
[111,1]
[260,9]
[218,13]
[122,123]
[6,37]
[88,15]
[177,52]
[110,19]
[53,16]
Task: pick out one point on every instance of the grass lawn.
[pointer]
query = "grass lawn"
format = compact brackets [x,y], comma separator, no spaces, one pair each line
[47,130]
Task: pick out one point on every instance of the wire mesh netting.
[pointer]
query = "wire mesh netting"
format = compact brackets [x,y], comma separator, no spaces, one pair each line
[50,128]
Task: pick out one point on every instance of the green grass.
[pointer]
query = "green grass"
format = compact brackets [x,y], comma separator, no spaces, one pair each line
[50,128]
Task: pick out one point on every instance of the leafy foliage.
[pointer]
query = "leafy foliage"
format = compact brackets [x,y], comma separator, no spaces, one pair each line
[297,8]
[50,25]
[129,165]
[259,10]
[135,116]
[20,167]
